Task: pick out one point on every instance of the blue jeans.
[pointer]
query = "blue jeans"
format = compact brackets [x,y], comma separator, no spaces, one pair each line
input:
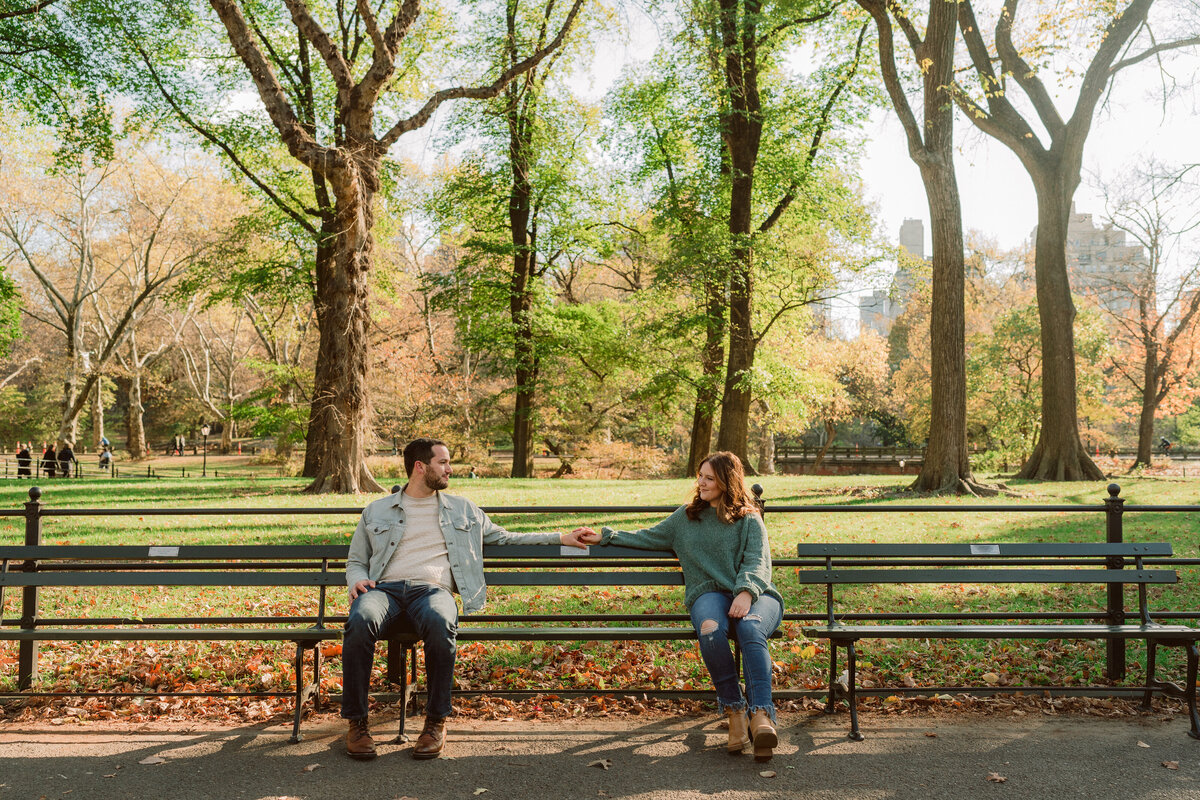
[428,611]
[751,633]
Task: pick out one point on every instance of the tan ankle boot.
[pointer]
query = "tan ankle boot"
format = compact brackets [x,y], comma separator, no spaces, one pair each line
[738,738]
[764,735]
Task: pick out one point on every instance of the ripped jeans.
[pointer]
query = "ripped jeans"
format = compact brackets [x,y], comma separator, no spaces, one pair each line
[751,633]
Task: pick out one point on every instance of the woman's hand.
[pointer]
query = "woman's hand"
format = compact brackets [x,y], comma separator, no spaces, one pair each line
[740,606]
[586,536]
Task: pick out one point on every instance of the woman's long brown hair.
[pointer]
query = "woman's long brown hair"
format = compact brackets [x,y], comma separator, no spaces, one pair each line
[735,502]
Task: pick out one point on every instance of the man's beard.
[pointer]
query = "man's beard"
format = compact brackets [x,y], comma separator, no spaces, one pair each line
[436,483]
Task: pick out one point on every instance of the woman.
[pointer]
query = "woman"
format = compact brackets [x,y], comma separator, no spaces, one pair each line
[721,543]
[66,460]
[50,461]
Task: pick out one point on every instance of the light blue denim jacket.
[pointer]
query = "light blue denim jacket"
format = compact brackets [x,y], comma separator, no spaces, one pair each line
[465,527]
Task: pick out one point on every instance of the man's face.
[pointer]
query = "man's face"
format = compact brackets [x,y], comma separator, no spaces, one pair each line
[437,471]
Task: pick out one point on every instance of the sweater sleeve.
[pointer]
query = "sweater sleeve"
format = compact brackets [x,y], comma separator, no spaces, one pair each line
[494,534]
[754,573]
[656,537]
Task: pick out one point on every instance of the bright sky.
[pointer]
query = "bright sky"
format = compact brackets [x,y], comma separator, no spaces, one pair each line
[996,191]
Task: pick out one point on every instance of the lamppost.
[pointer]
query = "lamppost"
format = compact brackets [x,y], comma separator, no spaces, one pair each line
[204,432]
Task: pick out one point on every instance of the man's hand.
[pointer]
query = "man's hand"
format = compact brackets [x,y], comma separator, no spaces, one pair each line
[574,539]
[741,605]
[360,588]
[586,535]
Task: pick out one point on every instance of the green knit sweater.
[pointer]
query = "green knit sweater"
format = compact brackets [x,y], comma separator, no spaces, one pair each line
[715,556]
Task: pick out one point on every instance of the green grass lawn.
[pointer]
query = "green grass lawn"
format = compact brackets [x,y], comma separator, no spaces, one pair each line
[800,664]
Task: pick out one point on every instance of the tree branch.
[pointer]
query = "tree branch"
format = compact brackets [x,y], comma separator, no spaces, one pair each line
[491,90]
[1153,51]
[303,147]
[310,29]
[891,78]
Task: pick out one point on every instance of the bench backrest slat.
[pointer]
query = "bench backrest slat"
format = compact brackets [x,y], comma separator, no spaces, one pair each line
[542,551]
[233,552]
[901,575]
[174,578]
[648,578]
[981,549]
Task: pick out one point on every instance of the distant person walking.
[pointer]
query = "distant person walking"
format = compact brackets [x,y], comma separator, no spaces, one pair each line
[105,457]
[50,461]
[24,460]
[66,459]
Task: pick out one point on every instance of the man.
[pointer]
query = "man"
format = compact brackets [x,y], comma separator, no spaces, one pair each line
[411,550]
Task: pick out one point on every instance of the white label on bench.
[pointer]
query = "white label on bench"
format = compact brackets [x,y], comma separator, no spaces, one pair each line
[162,552]
[985,549]
[568,550]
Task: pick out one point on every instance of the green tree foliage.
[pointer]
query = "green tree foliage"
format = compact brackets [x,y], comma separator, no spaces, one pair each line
[743,153]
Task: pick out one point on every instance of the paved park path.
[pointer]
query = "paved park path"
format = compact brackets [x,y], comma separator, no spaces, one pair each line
[949,756]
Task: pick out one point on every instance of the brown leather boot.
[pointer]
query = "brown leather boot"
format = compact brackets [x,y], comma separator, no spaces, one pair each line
[432,739]
[764,735]
[359,743]
[738,738]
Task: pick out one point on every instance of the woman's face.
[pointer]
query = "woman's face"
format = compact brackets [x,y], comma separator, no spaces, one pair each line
[708,485]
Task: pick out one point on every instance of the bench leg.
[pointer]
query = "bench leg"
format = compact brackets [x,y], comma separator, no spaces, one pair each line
[1151,658]
[296,737]
[316,690]
[1193,657]
[401,737]
[851,658]
[830,705]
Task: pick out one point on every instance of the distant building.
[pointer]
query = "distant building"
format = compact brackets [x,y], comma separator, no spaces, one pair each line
[880,309]
[1100,264]
[822,317]
[912,237]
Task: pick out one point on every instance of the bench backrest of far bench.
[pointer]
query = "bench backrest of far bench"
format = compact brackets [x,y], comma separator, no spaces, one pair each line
[836,564]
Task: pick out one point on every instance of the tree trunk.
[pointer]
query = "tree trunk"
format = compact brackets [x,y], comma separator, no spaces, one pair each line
[830,430]
[345,339]
[946,466]
[98,415]
[711,362]
[520,116]
[735,406]
[135,432]
[68,426]
[316,436]
[766,451]
[742,124]
[1059,454]
[1145,447]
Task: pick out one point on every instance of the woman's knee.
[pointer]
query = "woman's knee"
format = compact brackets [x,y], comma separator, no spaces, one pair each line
[751,630]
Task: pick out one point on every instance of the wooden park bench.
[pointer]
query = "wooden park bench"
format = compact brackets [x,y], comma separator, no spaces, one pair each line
[1039,564]
[271,567]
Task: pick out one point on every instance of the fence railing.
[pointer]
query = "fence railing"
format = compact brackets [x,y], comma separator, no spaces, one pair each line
[87,469]
[1113,510]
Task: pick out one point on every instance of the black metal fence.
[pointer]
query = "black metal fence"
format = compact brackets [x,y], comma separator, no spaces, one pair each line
[1113,509]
